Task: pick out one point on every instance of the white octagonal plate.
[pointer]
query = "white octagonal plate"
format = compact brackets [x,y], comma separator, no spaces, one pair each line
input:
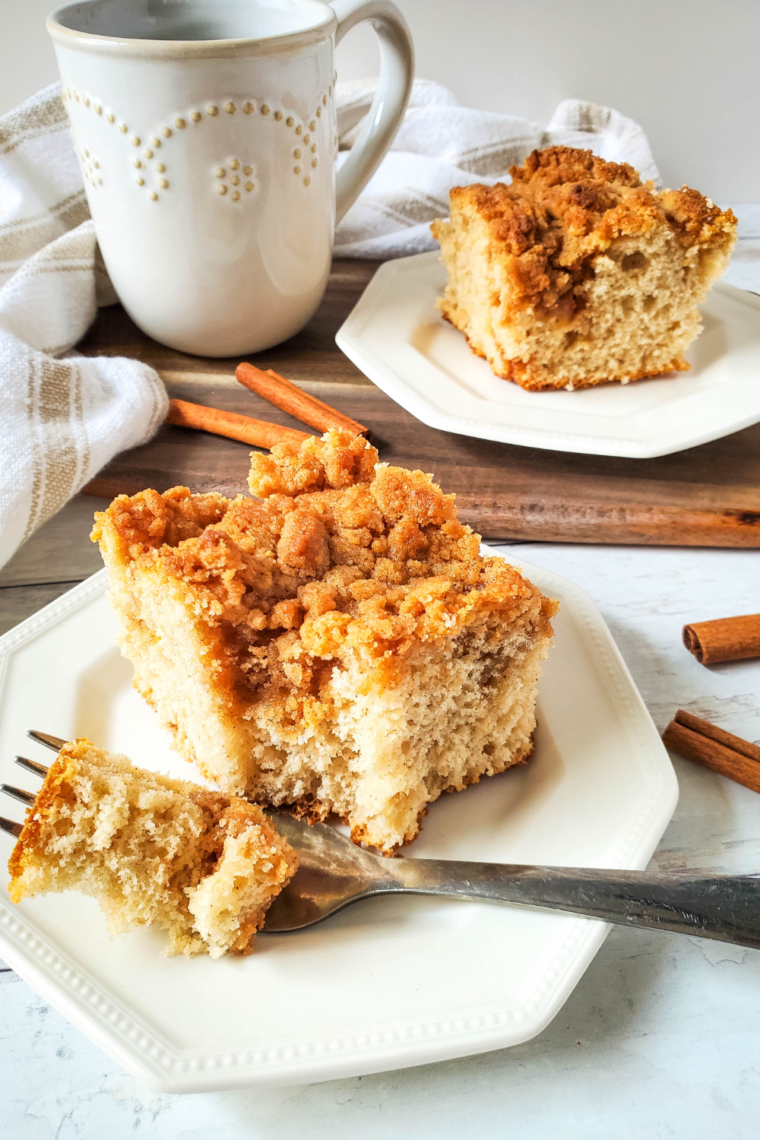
[386,983]
[398,338]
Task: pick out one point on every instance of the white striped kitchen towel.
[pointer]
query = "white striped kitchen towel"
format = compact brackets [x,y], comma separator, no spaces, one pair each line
[63,416]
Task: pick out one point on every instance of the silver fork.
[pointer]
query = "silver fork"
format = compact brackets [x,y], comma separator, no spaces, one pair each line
[334,873]
[28,798]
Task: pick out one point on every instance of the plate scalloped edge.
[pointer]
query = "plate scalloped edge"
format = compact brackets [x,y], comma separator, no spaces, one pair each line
[154,1060]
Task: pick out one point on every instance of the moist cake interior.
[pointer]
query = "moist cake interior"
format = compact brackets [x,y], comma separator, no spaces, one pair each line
[336,644]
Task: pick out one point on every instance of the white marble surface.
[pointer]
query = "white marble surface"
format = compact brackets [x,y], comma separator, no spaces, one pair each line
[660,1039]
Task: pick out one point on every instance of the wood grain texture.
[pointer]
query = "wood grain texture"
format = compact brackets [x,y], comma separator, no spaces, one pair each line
[19,602]
[706,496]
[59,552]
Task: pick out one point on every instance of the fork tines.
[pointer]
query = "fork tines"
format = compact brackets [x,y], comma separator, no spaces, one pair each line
[45,738]
[28,798]
[18,794]
[32,766]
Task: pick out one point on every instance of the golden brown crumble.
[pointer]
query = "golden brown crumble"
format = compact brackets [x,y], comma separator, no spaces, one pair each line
[564,206]
[338,554]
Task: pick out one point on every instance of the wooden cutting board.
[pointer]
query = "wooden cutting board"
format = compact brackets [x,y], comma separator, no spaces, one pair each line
[707,496]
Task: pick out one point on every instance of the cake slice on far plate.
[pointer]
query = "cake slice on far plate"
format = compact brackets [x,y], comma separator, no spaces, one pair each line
[337,644]
[153,851]
[577,274]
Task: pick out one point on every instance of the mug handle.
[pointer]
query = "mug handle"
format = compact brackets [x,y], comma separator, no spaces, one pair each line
[391,97]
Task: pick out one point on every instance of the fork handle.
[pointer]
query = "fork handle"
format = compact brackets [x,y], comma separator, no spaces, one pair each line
[726,908]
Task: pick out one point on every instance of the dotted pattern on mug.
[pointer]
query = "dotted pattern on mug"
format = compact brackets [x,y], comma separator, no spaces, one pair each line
[90,167]
[234,177]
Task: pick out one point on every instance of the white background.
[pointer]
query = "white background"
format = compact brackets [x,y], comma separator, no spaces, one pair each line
[687,70]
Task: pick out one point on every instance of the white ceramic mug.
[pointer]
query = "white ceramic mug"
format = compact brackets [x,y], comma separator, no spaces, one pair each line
[207,137]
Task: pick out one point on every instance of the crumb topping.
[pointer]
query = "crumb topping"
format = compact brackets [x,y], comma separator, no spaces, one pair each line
[337,555]
[564,206]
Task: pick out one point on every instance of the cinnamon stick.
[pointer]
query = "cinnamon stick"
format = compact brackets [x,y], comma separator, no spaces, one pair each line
[290,398]
[259,433]
[725,639]
[714,748]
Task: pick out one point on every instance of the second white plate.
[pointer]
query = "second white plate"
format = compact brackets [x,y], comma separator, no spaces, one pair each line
[398,338]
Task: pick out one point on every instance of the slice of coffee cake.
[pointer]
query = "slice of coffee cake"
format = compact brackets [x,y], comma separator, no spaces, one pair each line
[338,645]
[576,274]
[152,851]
